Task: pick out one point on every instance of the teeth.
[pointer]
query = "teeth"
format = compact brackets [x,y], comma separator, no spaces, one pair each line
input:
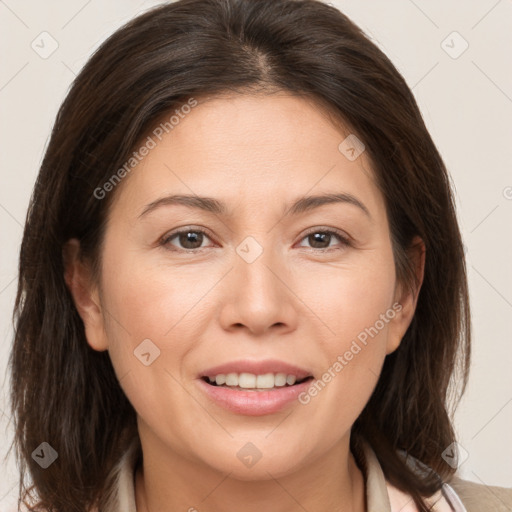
[290,380]
[280,379]
[251,381]
[246,380]
[231,379]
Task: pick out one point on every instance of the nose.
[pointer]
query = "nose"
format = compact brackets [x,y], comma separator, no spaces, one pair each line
[258,293]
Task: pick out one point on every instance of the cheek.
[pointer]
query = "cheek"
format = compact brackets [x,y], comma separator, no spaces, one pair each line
[150,334]
[152,321]
[153,300]
[351,298]
[356,304]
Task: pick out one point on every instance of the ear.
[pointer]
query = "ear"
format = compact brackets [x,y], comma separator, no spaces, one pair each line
[406,299]
[78,277]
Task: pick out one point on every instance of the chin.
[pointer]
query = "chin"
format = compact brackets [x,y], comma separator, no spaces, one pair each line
[255,461]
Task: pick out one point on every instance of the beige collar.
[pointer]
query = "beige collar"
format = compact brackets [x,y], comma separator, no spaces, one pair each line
[380,495]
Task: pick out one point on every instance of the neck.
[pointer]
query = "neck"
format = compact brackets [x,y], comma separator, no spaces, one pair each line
[167,481]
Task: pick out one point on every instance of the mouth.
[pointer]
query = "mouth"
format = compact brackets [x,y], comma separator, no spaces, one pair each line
[254,401]
[255,388]
[257,383]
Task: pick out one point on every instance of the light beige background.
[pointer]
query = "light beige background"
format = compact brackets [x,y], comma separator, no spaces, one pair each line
[467,105]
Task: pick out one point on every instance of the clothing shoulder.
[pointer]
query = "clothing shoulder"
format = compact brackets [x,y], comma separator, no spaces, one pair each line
[479,497]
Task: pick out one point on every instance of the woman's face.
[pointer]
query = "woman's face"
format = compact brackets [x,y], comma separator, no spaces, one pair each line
[256,282]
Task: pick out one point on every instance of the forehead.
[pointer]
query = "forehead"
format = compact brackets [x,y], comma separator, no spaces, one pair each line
[249,148]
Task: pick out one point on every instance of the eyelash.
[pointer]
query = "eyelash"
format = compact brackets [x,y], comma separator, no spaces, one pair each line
[345,241]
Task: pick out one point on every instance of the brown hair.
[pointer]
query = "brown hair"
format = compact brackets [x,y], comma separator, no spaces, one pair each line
[65,393]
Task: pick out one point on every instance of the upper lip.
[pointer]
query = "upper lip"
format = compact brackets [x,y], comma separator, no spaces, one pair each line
[257,368]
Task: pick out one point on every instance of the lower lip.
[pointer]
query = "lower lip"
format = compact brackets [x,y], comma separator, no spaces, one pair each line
[254,403]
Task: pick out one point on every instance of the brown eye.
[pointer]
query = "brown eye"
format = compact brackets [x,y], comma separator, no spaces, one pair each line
[189,239]
[321,239]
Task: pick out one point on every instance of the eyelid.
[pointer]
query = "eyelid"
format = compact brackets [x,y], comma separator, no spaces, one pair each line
[327,229]
[168,236]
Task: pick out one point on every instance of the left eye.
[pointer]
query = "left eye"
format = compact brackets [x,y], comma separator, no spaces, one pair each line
[320,237]
[191,239]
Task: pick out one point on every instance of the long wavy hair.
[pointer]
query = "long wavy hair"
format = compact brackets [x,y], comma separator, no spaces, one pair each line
[65,393]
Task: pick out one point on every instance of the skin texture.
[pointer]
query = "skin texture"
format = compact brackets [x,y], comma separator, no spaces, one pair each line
[302,301]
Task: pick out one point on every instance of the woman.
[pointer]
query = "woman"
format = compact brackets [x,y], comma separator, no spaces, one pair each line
[180,345]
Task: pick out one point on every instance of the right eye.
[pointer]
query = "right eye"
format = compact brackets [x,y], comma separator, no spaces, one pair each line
[191,239]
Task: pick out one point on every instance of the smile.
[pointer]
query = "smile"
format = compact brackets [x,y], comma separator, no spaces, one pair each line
[250,381]
[254,401]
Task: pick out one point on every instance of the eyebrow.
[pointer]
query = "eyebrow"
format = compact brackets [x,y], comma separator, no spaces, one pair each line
[209,204]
